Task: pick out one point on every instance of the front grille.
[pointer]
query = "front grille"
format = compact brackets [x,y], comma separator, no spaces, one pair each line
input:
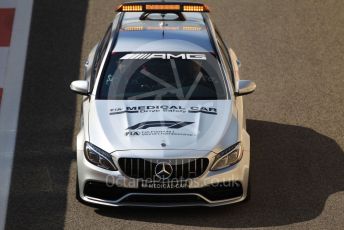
[183,169]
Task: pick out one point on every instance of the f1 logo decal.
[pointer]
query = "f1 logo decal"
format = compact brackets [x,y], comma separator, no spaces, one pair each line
[168,124]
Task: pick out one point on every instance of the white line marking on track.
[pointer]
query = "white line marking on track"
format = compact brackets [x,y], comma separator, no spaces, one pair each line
[12,84]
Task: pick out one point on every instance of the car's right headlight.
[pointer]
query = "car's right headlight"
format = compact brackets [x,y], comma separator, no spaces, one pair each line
[228,157]
[99,157]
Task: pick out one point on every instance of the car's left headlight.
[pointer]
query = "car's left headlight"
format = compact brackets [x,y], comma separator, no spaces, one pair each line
[99,157]
[228,157]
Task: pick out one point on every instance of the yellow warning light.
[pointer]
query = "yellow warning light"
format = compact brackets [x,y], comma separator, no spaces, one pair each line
[131,8]
[164,7]
[192,28]
[195,8]
[133,28]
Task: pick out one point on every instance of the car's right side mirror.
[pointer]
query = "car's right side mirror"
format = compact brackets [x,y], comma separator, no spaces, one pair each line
[245,87]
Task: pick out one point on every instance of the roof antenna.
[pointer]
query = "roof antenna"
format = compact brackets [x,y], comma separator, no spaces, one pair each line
[163,18]
[163,25]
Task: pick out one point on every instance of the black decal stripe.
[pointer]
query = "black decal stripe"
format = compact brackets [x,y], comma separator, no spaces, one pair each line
[115,113]
[213,113]
[180,125]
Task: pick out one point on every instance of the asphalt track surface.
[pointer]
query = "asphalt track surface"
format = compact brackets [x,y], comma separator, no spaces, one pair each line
[292,49]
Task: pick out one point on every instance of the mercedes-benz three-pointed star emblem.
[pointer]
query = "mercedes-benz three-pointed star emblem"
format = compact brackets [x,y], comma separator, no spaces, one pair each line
[163,170]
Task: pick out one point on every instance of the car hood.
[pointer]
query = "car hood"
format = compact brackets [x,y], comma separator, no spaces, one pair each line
[116,125]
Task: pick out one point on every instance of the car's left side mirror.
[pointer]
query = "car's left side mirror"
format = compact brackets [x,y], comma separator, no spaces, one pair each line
[245,87]
[80,87]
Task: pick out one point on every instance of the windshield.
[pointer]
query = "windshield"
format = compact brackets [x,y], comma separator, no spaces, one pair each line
[162,76]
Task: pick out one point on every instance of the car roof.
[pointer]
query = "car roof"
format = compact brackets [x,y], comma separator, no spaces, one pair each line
[189,35]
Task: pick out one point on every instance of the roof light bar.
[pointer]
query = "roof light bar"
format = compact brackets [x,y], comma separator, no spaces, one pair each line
[140,28]
[162,7]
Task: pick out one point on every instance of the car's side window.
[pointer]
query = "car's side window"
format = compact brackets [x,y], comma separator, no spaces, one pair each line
[100,55]
[225,53]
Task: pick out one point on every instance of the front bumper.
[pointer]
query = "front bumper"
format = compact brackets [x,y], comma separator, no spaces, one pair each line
[113,188]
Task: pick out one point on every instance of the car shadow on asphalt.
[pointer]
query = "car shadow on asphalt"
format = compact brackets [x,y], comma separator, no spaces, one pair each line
[293,172]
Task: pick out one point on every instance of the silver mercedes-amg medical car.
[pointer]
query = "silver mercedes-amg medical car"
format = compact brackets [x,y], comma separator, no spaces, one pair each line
[162,120]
